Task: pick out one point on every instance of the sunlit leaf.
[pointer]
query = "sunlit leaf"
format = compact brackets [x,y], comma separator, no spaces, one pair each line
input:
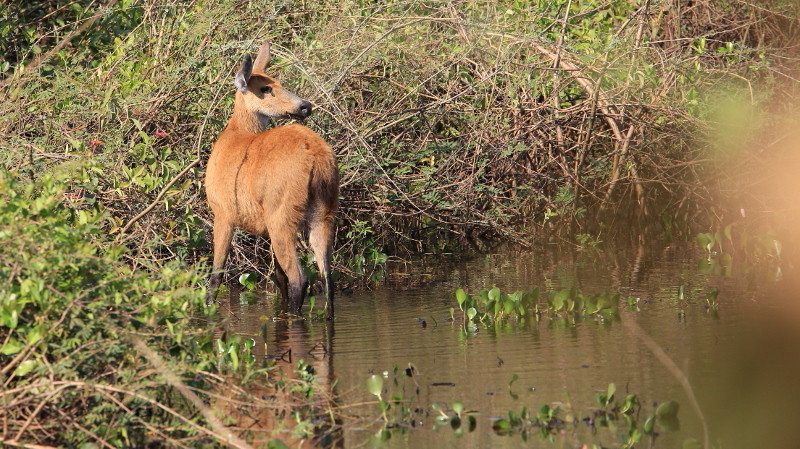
[25,367]
[11,347]
[375,384]
[461,296]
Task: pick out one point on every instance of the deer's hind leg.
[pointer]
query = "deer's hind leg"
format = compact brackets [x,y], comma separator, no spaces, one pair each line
[223,233]
[287,267]
[320,238]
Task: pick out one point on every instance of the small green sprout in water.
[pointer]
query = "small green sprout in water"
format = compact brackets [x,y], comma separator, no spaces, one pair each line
[489,307]
[375,387]
[457,419]
[608,397]
[248,280]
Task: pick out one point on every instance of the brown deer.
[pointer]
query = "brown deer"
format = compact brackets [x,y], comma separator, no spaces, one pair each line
[272,182]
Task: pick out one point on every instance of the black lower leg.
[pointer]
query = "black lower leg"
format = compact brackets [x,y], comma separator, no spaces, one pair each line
[213,286]
[328,294]
[298,294]
[283,286]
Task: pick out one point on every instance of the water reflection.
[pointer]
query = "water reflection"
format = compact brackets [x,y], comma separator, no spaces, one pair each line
[303,355]
[553,361]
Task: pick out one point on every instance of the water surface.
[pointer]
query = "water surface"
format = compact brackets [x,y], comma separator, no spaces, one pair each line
[556,361]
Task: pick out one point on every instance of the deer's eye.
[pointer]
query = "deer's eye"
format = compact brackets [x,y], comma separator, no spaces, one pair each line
[266,90]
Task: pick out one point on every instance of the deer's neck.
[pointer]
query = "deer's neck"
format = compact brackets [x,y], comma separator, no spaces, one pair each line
[245,120]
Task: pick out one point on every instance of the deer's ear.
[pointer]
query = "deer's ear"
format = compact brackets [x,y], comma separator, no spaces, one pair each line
[243,75]
[262,60]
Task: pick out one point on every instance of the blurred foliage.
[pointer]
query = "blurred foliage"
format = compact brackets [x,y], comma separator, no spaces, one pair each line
[478,119]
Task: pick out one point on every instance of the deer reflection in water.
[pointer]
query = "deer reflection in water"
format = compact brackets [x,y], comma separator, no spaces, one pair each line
[302,383]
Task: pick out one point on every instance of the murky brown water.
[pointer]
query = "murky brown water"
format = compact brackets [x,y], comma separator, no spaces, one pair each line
[731,359]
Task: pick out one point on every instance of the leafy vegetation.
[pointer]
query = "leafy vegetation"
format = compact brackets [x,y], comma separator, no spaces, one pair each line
[477,119]
[492,306]
[480,120]
[625,418]
[93,351]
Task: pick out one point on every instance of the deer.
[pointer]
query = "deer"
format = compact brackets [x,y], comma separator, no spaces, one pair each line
[274,182]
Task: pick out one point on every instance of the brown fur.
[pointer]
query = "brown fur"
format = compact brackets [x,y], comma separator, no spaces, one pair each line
[272,182]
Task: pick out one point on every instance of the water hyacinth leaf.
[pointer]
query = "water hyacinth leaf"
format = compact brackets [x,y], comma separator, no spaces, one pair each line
[248,280]
[473,422]
[559,299]
[375,384]
[494,294]
[492,307]
[668,409]
[634,435]
[705,241]
[461,296]
[649,423]
[458,407]
[630,402]
[471,312]
[501,425]
[612,388]
[234,360]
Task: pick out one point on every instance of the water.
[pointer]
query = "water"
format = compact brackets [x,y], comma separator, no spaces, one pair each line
[556,361]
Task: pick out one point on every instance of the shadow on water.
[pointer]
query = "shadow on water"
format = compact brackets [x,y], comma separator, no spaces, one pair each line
[737,358]
[302,360]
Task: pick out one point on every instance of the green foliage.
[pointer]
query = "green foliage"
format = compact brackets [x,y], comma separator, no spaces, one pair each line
[489,307]
[467,132]
[70,311]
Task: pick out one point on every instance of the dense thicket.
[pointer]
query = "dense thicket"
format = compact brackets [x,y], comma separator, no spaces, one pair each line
[449,118]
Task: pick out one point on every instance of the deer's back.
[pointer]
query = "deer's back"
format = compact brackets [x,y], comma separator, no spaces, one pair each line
[253,179]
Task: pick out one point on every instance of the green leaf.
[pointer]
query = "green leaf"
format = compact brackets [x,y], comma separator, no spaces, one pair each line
[461,296]
[375,384]
[705,241]
[34,335]
[559,299]
[494,294]
[501,425]
[649,423]
[11,347]
[248,280]
[471,312]
[458,407]
[668,409]
[25,367]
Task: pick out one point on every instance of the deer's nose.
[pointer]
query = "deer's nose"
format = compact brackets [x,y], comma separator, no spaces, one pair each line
[305,109]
